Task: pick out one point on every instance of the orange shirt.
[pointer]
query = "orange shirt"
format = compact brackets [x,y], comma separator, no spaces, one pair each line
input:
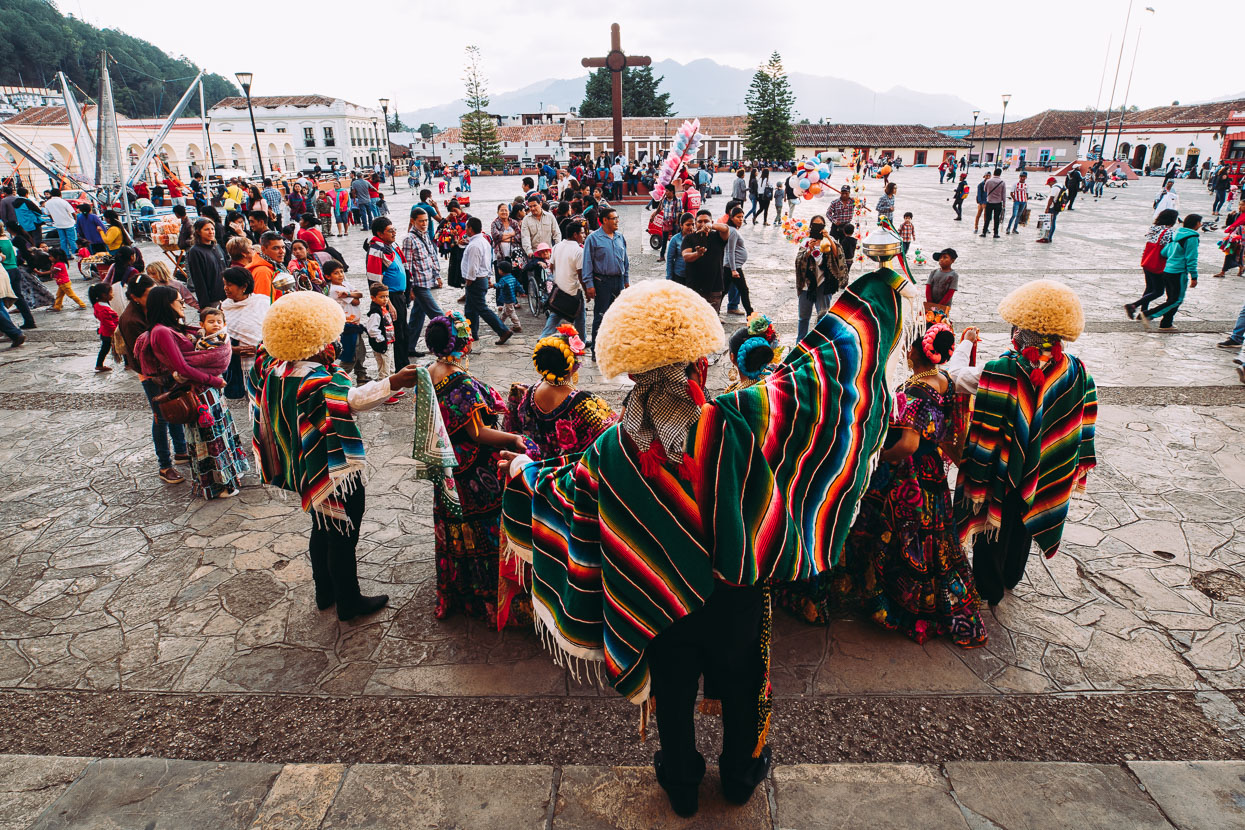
[262,273]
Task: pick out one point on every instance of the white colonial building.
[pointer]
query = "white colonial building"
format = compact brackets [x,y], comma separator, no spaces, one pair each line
[297,132]
[1192,135]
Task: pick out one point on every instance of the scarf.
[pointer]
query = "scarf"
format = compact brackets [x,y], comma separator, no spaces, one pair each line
[305,438]
[658,413]
[433,452]
[1032,435]
[245,318]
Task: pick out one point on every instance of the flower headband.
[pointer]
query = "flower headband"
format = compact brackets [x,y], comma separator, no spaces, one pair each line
[927,342]
[760,326]
[460,333]
[569,344]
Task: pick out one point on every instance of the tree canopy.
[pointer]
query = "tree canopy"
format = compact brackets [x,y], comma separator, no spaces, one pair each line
[37,41]
[640,93]
[770,103]
[479,131]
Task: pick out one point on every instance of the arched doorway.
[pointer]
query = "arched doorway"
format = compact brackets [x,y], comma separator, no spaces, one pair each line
[1158,156]
[1122,152]
[1139,155]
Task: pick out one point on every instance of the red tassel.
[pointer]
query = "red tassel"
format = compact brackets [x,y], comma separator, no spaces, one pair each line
[1057,351]
[652,459]
[1032,354]
[697,394]
[1037,377]
[689,472]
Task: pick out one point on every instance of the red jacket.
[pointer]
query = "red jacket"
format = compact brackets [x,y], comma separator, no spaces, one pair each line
[108,319]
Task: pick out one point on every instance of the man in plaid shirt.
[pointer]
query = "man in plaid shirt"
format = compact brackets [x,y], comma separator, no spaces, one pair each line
[272,197]
[423,267]
[841,212]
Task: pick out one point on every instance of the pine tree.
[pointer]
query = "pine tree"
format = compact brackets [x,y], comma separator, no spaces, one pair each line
[479,131]
[641,97]
[770,102]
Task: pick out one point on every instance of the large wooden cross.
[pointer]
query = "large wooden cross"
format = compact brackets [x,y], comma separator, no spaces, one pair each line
[616,62]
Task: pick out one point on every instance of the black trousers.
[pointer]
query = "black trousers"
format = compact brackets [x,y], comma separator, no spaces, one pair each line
[999,562]
[1072,194]
[1155,287]
[105,343]
[332,549]
[741,285]
[400,355]
[993,211]
[958,206]
[721,641]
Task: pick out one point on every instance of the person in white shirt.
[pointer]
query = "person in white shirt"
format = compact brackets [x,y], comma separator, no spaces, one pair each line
[478,274]
[63,219]
[538,227]
[1167,199]
[617,172]
[568,265]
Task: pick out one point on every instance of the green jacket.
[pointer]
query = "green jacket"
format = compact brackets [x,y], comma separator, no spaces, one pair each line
[1181,252]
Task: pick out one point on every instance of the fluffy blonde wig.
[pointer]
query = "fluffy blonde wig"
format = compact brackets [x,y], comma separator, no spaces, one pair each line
[1045,306]
[300,324]
[655,323]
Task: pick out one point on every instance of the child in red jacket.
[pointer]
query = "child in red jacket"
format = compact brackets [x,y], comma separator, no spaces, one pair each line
[100,294]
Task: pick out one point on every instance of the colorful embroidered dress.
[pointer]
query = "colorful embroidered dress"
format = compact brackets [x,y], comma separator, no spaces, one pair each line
[570,427]
[1035,439]
[903,564]
[468,537]
[767,493]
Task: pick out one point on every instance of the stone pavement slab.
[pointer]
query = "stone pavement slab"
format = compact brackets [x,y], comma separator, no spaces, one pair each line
[393,797]
[1196,795]
[629,798]
[877,796]
[29,783]
[1052,796]
[300,797]
[159,794]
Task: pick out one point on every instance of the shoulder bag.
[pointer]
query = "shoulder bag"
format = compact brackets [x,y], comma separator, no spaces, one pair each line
[564,304]
[180,405]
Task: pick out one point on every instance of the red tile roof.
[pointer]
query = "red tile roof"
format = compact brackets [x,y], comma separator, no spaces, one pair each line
[39,117]
[710,125]
[881,136]
[1051,125]
[238,102]
[1216,113]
[532,132]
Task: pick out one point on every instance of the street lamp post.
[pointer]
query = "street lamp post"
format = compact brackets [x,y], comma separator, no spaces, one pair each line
[393,170]
[998,149]
[985,128]
[244,79]
[972,137]
[665,133]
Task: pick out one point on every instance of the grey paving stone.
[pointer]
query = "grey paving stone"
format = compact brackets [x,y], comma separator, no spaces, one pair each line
[157,794]
[877,796]
[300,797]
[1197,795]
[391,797]
[629,798]
[29,783]
[1052,796]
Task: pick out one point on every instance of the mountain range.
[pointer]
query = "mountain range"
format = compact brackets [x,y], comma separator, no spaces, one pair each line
[705,87]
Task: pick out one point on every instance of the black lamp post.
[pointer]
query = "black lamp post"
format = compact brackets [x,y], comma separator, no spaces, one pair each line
[244,79]
[981,157]
[393,171]
[999,147]
[972,137]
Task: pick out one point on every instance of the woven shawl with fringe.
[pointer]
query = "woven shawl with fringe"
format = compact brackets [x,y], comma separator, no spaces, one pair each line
[1033,440]
[774,480]
[304,434]
[432,450]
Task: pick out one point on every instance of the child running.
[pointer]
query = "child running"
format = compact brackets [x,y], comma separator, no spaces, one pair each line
[60,273]
[100,294]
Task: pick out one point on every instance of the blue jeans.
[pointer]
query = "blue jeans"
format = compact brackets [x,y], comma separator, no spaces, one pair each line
[423,306]
[1238,333]
[1221,196]
[554,320]
[350,342]
[752,211]
[161,430]
[6,325]
[477,307]
[608,289]
[808,301]
[366,212]
[68,240]
[732,297]
[1050,229]
[1017,209]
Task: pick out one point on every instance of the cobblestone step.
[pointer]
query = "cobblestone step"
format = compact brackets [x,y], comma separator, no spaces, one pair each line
[46,792]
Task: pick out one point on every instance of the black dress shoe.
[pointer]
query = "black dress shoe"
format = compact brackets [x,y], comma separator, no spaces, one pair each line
[362,607]
[684,796]
[739,790]
[28,326]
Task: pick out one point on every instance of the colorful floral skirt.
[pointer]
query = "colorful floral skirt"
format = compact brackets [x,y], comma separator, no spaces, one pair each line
[467,551]
[902,563]
[218,458]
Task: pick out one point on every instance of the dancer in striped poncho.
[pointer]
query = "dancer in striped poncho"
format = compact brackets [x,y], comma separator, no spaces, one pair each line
[306,440]
[651,550]
[1031,440]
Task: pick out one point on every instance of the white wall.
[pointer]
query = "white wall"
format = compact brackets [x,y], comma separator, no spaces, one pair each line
[357,134]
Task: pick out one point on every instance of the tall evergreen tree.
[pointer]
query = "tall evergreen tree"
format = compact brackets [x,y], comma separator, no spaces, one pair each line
[770,102]
[641,95]
[479,131]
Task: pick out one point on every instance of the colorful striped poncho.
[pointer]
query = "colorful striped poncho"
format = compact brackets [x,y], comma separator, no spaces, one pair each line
[1034,441]
[776,473]
[305,437]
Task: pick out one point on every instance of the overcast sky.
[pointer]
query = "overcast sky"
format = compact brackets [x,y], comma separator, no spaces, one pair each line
[412,52]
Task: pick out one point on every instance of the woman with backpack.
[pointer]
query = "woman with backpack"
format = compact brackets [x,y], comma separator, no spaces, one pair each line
[1179,274]
[1153,262]
[766,191]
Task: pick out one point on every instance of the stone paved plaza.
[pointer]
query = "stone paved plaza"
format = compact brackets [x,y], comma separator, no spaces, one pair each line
[112,582]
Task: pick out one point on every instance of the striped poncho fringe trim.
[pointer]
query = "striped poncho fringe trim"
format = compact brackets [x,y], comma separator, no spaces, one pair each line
[777,471]
[1034,441]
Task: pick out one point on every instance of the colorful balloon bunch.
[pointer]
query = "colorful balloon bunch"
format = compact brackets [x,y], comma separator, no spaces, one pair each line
[812,176]
[794,230]
[686,143]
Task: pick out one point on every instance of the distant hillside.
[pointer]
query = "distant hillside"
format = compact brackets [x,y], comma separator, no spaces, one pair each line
[705,87]
[37,41]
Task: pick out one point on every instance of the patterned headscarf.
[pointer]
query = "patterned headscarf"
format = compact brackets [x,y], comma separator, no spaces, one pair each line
[660,410]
